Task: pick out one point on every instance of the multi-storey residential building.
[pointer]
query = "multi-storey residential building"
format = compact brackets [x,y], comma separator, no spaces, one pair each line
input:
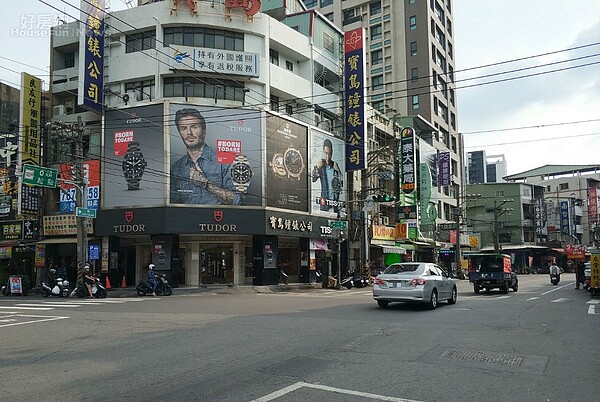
[410,72]
[570,202]
[267,85]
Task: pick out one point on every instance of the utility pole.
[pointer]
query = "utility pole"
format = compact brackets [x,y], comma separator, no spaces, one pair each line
[81,199]
[498,211]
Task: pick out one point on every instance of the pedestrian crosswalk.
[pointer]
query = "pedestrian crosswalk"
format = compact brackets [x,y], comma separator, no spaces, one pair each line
[46,305]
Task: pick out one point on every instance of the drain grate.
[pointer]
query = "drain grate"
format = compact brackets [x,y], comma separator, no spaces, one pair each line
[486,360]
[482,357]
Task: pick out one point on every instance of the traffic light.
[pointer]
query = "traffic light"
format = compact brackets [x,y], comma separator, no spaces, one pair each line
[384,198]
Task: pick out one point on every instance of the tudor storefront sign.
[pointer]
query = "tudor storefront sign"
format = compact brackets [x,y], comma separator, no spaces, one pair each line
[129,226]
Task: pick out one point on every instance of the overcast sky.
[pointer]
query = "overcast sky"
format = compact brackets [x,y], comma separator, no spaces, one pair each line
[486,32]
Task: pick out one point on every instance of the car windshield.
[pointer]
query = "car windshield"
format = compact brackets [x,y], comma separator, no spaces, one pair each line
[400,268]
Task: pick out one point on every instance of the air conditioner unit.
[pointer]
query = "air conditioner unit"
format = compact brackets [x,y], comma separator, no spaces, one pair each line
[59,110]
[385,220]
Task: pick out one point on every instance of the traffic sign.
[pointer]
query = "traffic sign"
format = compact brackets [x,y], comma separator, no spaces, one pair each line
[39,176]
[338,225]
[85,212]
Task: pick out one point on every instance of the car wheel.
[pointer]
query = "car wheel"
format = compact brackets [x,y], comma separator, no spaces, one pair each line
[516,287]
[383,303]
[476,288]
[433,300]
[505,289]
[452,299]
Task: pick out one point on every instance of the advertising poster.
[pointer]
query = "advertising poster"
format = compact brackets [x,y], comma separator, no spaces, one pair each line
[328,181]
[215,156]
[68,193]
[287,175]
[134,172]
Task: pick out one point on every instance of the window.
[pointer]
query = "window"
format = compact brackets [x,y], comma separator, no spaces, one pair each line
[415,101]
[499,193]
[377,83]
[142,90]
[275,103]
[289,65]
[379,106]
[450,50]
[414,74]
[376,31]
[411,1]
[413,48]
[69,59]
[204,37]
[348,13]
[449,26]
[329,16]
[412,22]
[328,42]
[274,56]
[326,2]
[563,186]
[140,41]
[375,8]
[289,109]
[376,57]
[205,88]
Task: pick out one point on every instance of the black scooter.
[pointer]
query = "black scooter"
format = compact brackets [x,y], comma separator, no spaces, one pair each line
[163,288]
[98,290]
[554,279]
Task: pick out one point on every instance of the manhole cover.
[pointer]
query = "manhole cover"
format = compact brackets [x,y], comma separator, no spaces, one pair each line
[515,362]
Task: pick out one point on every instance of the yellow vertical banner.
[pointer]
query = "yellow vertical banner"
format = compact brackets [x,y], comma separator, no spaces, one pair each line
[31,119]
[595,264]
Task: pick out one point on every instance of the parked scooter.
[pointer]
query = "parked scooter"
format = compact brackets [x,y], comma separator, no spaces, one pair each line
[61,288]
[283,277]
[163,288]
[554,279]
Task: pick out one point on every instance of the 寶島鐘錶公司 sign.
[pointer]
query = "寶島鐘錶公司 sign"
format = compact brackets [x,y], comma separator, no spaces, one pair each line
[39,176]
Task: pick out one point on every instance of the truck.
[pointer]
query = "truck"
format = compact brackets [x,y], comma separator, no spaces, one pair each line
[492,270]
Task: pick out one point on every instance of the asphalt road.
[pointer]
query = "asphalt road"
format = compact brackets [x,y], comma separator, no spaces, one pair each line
[538,344]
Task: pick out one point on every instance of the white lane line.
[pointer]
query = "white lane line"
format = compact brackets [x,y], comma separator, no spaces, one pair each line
[555,289]
[559,300]
[33,322]
[502,297]
[48,305]
[533,298]
[592,309]
[298,385]
[594,302]
[29,308]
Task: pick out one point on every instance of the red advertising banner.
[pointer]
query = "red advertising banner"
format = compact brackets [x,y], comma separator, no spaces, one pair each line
[121,140]
[593,204]
[227,150]
[91,171]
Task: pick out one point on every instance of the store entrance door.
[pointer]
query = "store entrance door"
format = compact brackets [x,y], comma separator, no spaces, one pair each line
[216,264]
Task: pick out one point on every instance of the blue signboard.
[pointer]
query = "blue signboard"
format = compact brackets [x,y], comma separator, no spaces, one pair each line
[564,217]
[94,252]
[93,50]
[354,82]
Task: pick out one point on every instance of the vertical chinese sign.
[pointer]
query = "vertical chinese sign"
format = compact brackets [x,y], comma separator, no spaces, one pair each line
[354,80]
[91,47]
[407,162]
[445,171]
[565,219]
[30,140]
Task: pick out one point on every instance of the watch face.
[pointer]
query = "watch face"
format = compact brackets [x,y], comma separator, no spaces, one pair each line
[133,165]
[278,166]
[336,184]
[241,173]
[293,162]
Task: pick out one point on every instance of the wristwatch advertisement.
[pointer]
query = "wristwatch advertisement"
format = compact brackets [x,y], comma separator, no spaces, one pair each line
[241,173]
[290,164]
[134,165]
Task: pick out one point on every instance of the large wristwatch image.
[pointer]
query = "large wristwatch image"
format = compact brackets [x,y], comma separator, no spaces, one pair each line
[293,162]
[336,185]
[241,173]
[134,165]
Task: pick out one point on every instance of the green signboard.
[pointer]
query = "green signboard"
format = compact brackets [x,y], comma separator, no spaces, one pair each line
[39,176]
[338,225]
[85,212]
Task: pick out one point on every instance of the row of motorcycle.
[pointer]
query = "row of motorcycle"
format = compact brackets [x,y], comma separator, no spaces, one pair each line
[355,280]
[61,289]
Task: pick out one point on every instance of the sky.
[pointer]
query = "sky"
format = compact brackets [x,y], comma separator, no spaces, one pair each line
[542,116]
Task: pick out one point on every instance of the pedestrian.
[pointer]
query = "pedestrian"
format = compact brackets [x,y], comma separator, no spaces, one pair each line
[579,274]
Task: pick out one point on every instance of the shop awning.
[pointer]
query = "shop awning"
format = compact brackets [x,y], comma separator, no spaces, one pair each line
[393,250]
[61,240]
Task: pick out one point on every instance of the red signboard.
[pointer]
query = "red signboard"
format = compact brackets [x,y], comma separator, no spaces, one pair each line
[593,204]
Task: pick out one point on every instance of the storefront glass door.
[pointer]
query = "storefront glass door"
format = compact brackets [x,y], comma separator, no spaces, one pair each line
[216,265]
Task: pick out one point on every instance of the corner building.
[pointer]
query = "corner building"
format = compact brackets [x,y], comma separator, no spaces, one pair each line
[261,82]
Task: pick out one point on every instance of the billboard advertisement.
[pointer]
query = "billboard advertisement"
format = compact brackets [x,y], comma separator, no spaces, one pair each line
[68,193]
[91,46]
[287,176]
[354,82]
[215,156]
[134,162]
[328,186]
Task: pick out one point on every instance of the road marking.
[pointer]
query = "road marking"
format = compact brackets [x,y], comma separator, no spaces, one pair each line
[555,289]
[592,309]
[502,297]
[532,298]
[43,319]
[560,300]
[594,302]
[299,385]
[49,305]
[29,308]
[8,320]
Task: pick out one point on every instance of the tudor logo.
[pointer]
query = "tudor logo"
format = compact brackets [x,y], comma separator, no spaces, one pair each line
[218,215]
[128,216]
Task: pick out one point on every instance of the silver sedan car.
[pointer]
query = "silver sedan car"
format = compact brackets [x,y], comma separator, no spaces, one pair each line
[422,282]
